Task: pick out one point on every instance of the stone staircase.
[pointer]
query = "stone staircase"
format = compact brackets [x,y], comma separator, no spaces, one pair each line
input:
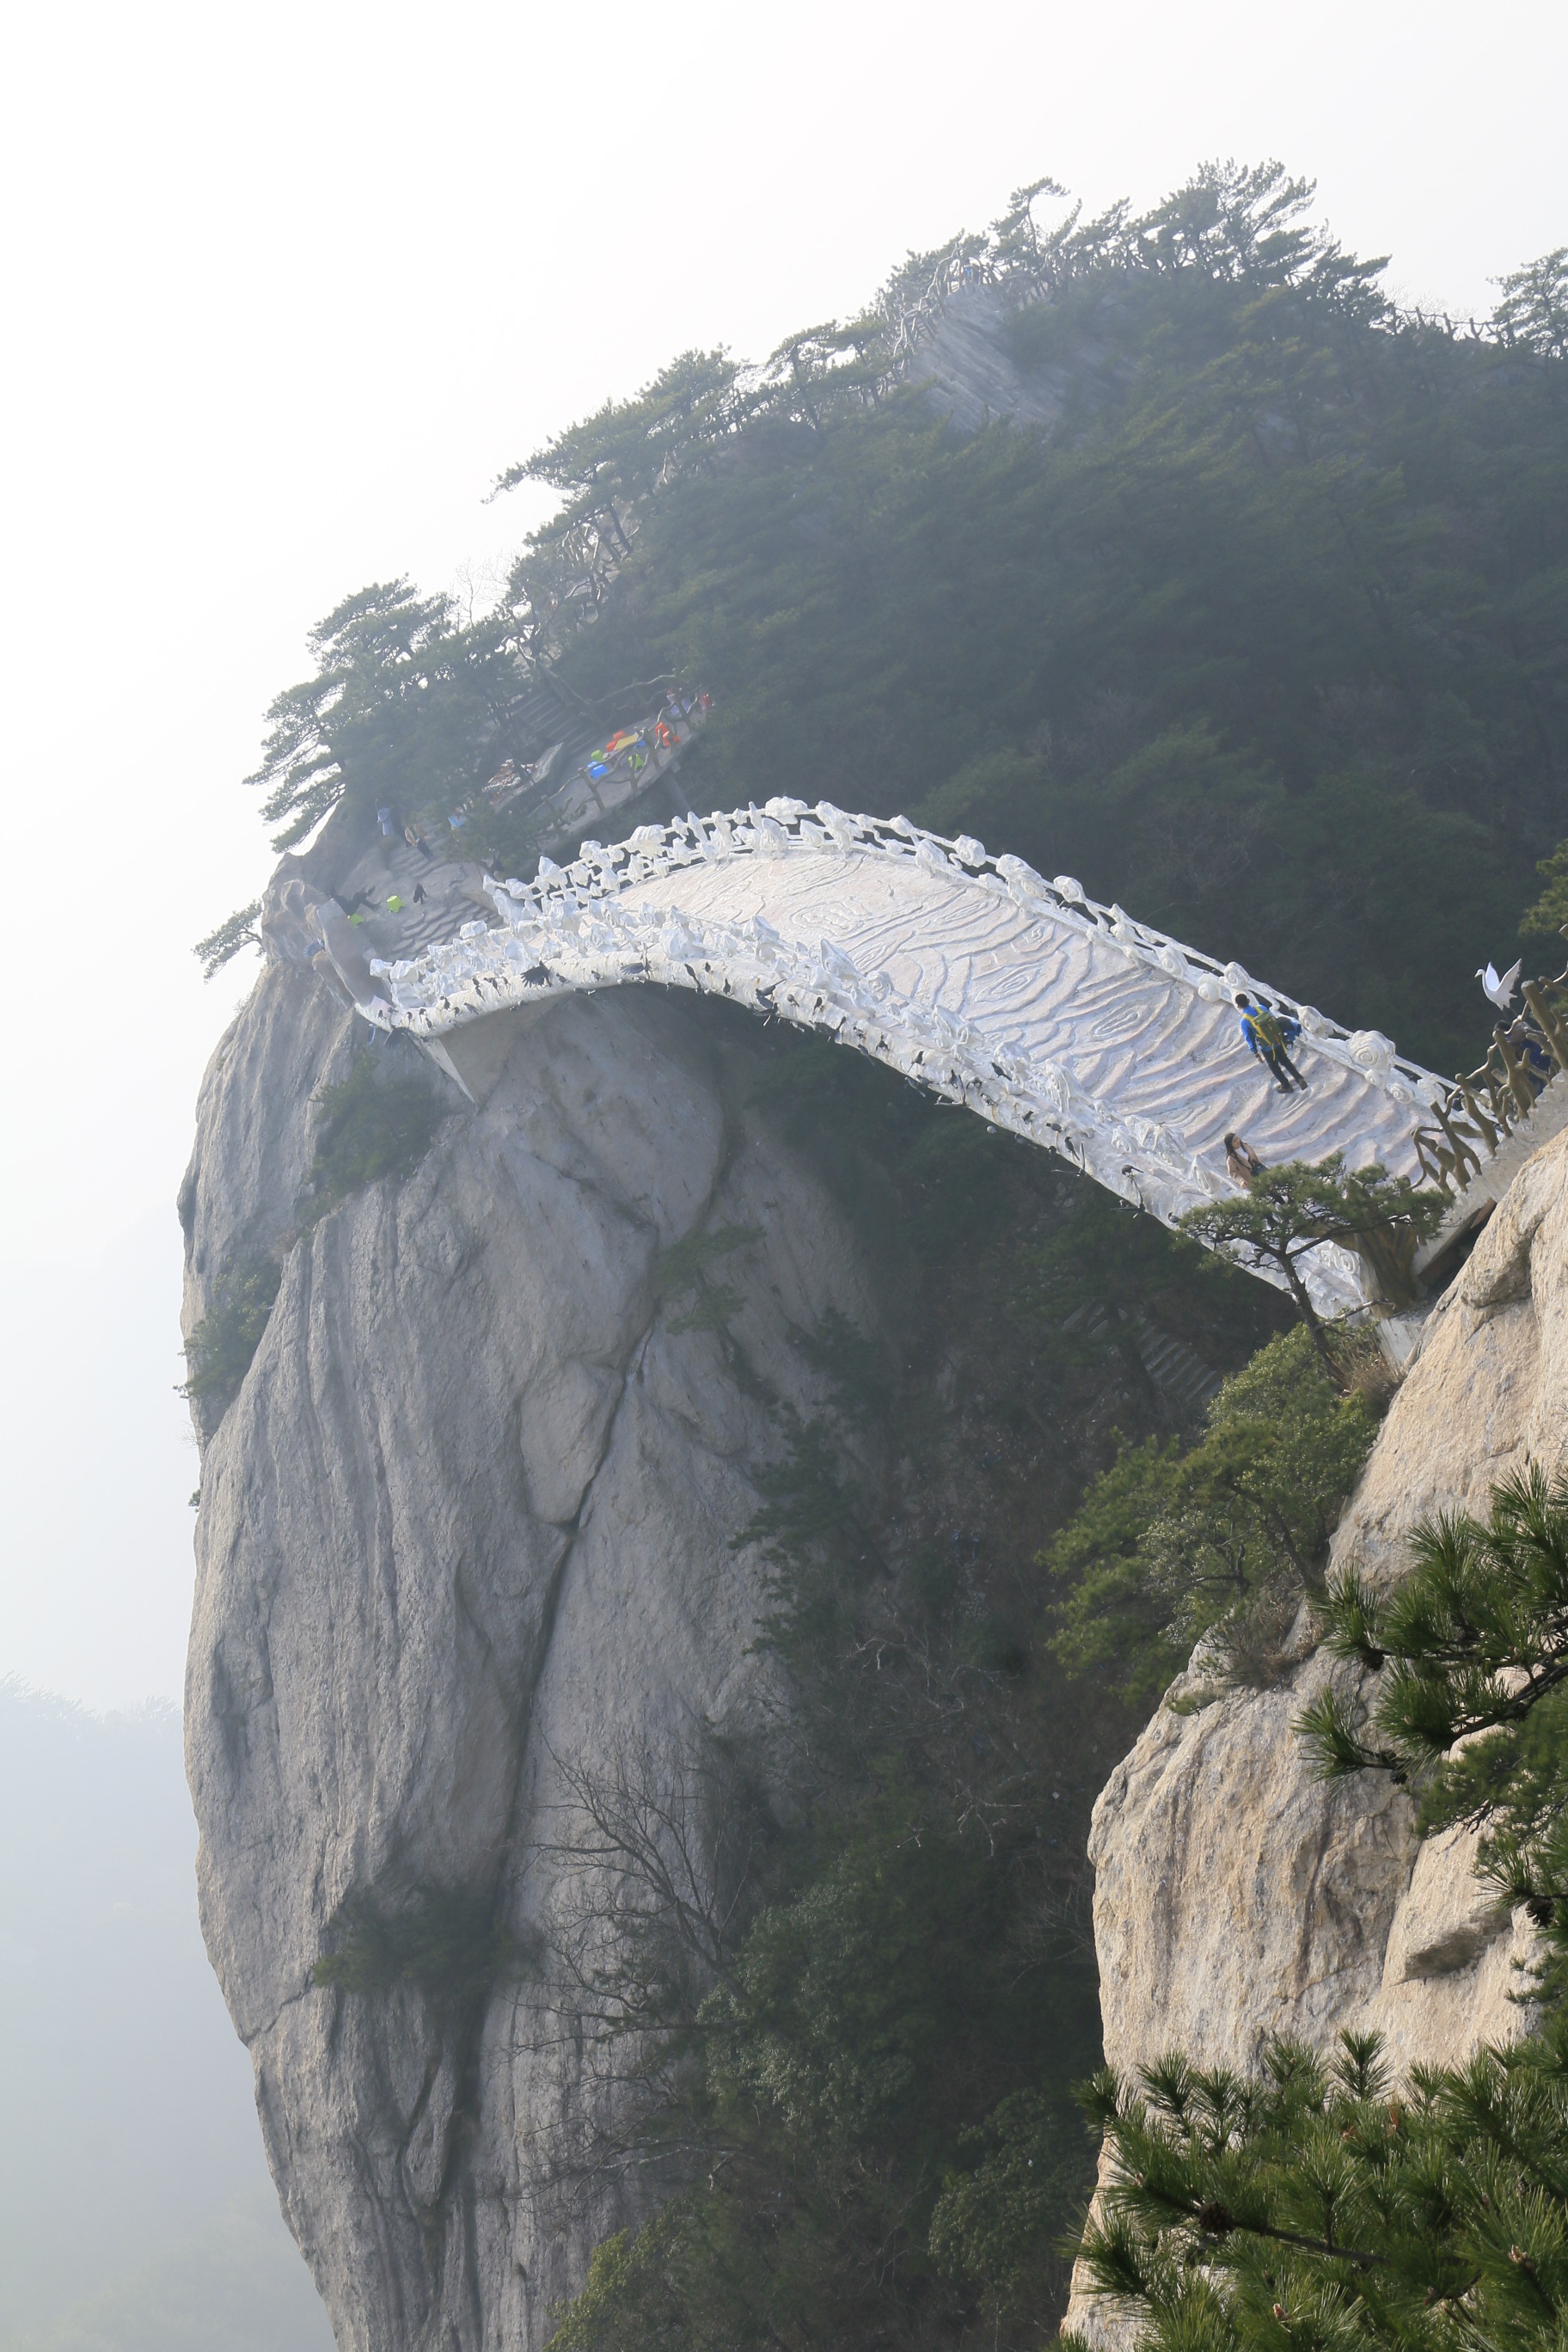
[1180,1376]
[1182,1379]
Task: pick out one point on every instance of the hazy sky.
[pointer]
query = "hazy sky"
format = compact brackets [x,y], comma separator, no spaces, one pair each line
[285,289]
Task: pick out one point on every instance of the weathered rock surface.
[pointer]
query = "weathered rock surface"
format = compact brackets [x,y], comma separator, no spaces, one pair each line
[1488,1389]
[1235,1896]
[469,1522]
[467,1529]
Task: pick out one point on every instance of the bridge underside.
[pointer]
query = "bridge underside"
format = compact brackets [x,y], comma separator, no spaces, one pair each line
[1061,1020]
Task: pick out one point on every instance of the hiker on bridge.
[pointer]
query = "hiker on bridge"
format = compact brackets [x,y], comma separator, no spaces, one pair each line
[1268,1036]
[1242,1163]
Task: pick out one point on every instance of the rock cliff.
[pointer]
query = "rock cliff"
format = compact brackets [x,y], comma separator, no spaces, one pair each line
[466,1534]
[466,1545]
[1237,1896]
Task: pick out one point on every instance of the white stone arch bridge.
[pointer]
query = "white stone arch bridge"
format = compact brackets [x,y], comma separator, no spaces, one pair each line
[1061,1020]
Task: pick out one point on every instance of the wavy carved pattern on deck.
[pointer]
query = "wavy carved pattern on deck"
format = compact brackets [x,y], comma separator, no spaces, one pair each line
[1060,1019]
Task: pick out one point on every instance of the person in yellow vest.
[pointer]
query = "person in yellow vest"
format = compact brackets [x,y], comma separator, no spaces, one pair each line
[1268,1036]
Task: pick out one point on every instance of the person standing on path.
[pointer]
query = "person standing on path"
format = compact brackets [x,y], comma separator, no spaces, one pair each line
[1267,1037]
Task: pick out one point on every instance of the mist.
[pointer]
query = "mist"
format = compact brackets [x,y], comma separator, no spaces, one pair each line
[135,2206]
[287,293]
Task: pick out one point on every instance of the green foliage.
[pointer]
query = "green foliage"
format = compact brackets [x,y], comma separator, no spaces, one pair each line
[1550,912]
[922,1182]
[230,939]
[1288,571]
[1306,2207]
[445,1940]
[998,2220]
[856,1369]
[370,1125]
[1227,1538]
[628,2302]
[843,1999]
[607,465]
[1533,313]
[813,1528]
[862,2013]
[874,2106]
[1289,1211]
[1472,1647]
[684,1269]
[1285,573]
[219,1352]
[1117,1618]
[403,705]
[1108,1255]
[994,1644]
[913,1957]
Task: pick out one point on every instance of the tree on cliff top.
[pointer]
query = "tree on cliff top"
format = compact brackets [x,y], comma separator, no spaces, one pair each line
[238,932]
[1286,574]
[401,705]
[1289,1212]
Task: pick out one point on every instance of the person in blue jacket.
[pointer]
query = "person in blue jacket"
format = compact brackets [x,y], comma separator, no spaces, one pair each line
[1268,1036]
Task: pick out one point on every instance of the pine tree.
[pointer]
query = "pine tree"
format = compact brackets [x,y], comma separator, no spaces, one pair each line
[1290,1211]
[1313,2207]
[1469,1661]
[403,704]
[1230,1537]
[233,936]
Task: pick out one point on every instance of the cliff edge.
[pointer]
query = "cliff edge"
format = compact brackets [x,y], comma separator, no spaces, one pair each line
[465,1536]
[1235,1896]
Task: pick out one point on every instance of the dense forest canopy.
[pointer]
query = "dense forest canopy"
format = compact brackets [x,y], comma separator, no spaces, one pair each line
[1264,634]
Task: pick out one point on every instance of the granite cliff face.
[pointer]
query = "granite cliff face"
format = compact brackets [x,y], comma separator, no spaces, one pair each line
[465,1546]
[465,1536]
[1235,1896]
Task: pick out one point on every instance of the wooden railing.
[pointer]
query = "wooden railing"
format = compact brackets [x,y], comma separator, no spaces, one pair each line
[1487,1104]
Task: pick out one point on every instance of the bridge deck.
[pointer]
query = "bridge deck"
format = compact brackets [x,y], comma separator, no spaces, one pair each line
[1057,1018]
[1139,1043]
